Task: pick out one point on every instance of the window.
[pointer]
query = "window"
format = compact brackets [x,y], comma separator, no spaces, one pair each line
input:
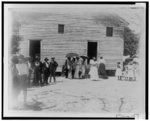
[61,28]
[109,31]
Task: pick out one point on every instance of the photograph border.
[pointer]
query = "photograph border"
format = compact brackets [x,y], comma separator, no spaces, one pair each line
[80,2]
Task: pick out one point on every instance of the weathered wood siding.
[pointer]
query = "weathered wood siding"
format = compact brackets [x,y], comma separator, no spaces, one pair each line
[77,32]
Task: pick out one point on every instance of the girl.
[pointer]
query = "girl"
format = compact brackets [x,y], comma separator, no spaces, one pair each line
[118,71]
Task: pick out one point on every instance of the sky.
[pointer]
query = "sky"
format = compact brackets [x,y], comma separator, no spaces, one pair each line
[133,14]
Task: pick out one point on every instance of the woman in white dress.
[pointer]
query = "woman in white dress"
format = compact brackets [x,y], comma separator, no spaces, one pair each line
[77,68]
[94,70]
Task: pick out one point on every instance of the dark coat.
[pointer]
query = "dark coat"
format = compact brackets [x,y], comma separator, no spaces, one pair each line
[70,63]
[53,67]
[66,64]
[102,72]
[45,69]
[73,65]
[38,69]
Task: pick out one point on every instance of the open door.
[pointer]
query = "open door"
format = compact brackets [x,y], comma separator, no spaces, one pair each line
[35,48]
[92,49]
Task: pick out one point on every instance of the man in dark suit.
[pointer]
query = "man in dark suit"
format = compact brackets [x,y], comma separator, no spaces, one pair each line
[73,67]
[52,68]
[66,66]
[46,70]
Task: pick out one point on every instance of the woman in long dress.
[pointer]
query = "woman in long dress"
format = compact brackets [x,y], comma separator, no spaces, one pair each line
[83,68]
[76,75]
[80,68]
[94,70]
[87,68]
[101,69]
[70,68]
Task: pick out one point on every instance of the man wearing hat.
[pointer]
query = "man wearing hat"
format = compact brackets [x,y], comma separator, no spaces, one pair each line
[46,70]
[14,87]
[52,68]
[23,73]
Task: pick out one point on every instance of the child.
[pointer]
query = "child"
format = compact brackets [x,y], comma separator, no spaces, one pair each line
[130,71]
[135,70]
[118,71]
[125,73]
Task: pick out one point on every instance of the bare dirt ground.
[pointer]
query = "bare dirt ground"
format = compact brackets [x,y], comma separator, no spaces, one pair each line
[85,96]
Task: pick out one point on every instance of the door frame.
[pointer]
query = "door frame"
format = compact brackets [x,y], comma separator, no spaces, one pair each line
[34,40]
[97,46]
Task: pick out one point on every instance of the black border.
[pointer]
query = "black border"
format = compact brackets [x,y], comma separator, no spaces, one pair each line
[147,63]
[79,2]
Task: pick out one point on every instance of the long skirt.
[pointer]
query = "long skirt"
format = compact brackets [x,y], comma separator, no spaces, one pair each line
[87,70]
[102,71]
[70,74]
[93,73]
[76,75]
[83,72]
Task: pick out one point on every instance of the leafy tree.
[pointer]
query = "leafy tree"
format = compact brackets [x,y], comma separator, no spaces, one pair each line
[15,38]
[15,43]
[131,42]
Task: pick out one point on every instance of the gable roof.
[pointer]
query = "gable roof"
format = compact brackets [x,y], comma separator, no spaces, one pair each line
[110,19]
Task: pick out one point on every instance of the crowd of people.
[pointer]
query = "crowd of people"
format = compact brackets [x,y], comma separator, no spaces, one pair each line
[128,71]
[83,67]
[25,69]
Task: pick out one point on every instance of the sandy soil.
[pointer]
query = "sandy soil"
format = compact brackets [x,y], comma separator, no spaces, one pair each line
[84,95]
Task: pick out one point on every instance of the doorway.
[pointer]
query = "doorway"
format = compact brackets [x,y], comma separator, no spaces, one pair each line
[35,48]
[92,50]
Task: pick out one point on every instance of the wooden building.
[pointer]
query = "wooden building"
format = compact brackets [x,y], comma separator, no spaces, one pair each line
[57,35]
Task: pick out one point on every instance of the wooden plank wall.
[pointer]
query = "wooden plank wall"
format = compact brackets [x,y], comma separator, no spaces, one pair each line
[76,35]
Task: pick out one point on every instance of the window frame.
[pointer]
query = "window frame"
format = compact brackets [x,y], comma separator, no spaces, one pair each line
[108,34]
[61,28]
